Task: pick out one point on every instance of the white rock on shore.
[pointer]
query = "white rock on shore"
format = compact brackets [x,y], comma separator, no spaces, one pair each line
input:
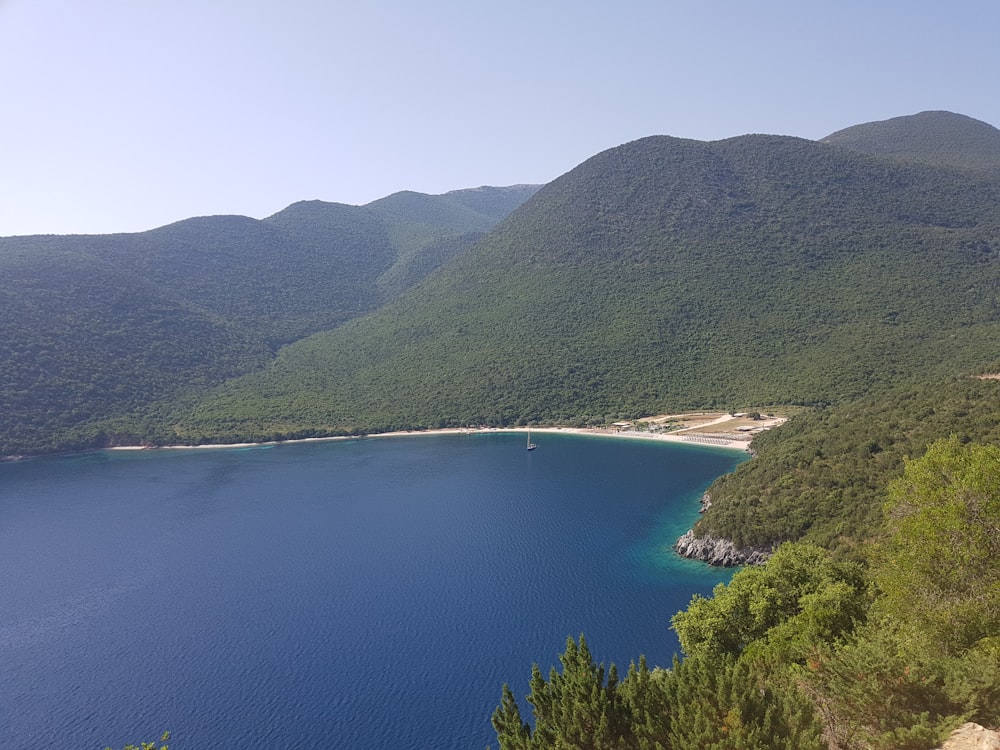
[720,552]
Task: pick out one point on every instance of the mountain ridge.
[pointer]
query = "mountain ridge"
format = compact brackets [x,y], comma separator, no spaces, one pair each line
[665,272]
[754,258]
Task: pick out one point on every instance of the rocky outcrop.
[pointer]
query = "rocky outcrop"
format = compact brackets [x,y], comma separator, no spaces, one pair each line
[720,552]
[972,737]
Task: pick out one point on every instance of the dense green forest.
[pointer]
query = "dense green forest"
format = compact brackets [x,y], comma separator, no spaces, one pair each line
[660,276]
[664,274]
[101,334]
[822,477]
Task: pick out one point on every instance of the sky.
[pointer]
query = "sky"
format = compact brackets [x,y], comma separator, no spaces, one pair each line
[126,115]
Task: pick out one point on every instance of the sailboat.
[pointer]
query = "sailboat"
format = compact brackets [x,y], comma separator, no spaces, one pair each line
[531,445]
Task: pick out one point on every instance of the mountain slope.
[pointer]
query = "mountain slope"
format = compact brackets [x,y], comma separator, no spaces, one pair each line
[428,231]
[84,340]
[665,273]
[106,326]
[943,139]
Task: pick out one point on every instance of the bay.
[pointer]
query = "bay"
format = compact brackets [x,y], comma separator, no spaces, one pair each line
[371,593]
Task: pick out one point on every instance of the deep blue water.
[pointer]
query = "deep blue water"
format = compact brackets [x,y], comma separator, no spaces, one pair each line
[360,594]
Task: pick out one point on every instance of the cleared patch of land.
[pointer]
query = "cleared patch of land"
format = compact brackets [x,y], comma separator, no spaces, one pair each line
[701,422]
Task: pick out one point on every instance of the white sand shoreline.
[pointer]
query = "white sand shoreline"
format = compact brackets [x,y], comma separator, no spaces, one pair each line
[688,435]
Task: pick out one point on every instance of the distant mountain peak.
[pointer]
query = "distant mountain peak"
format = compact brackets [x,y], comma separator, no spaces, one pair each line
[940,138]
[518,188]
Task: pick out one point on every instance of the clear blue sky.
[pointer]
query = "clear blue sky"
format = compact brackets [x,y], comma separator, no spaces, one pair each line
[124,115]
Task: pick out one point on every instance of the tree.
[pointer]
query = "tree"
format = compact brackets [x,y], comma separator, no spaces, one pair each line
[939,570]
[872,696]
[929,657]
[512,732]
[728,703]
[802,595]
[579,708]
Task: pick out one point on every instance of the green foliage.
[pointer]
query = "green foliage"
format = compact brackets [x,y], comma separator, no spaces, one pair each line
[873,696]
[576,708]
[513,733]
[971,682]
[726,703]
[878,691]
[929,659]
[939,571]
[84,340]
[799,598]
[807,651]
[823,476]
[664,274]
[703,702]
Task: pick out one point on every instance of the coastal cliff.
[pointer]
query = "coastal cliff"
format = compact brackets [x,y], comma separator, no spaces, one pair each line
[719,552]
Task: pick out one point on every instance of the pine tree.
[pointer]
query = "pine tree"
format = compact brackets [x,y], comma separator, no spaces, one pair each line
[512,732]
[577,708]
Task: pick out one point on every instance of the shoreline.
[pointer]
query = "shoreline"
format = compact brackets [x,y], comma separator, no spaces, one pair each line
[692,435]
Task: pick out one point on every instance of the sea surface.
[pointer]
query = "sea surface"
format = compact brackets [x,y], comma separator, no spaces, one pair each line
[372,593]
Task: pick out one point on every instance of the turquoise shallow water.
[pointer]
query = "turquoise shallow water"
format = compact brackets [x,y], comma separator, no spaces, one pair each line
[360,594]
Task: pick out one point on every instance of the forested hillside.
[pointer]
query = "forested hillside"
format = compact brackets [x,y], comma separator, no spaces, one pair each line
[885,636]
[822,477]
[662,275]
[943,139]
[84,339]
[101,332]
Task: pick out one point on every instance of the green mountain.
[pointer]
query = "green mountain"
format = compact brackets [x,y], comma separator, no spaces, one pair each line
[943,139]
[662,274]
[99,327]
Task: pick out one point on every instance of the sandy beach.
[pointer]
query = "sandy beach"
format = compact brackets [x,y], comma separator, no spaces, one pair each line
[719,429]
